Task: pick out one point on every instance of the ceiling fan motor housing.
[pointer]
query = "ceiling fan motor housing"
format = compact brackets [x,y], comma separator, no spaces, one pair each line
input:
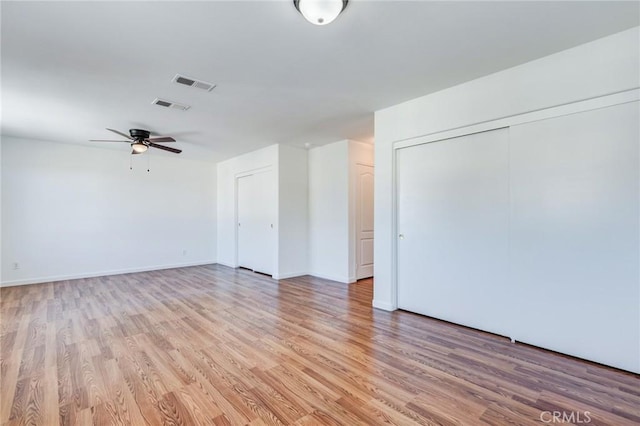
[140,141]
[139,134]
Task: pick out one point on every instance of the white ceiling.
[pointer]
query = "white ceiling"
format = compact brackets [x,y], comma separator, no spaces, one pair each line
[70,69]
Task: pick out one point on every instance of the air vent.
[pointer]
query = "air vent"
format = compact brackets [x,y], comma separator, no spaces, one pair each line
[169,104]
[198,84]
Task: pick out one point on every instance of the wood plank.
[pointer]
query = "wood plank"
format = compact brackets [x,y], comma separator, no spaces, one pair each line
[210,345]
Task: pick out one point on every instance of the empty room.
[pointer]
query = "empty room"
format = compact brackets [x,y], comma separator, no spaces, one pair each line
[320,212]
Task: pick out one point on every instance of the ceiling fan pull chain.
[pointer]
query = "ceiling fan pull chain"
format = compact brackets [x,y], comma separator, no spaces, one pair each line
[130,162]
[148,161]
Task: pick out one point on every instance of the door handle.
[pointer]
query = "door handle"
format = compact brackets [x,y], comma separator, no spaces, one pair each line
[401,236]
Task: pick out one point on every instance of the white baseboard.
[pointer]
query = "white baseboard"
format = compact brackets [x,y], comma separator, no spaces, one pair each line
[229,265]
[289,275]
[49,279]
[340,279]
[383,305]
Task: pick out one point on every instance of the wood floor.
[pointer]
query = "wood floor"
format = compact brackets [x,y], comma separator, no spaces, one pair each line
[214,345]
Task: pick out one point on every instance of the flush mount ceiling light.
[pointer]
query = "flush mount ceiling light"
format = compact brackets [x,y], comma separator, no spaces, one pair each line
[320,12]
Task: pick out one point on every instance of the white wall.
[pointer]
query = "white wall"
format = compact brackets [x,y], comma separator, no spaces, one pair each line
[604,66]
[551,85]
[332,208]
[75,211]
[227,173]
[293,217]
[329,211]
[289,167]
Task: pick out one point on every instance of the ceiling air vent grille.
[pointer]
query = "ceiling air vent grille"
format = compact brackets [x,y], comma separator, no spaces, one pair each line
[198,84]
[169,104]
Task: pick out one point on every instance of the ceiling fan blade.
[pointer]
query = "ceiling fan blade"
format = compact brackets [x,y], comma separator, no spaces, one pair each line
[162,139]
[120,133]
[103,140]
[166,148]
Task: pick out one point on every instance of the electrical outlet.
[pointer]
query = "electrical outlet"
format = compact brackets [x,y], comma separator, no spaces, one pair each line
[15,266]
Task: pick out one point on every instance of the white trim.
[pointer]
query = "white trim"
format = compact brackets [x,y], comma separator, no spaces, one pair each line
[336,278]
[228,265]
[527,117]
[54,278]
[288,275]
[393,302]
[255,171]
[383,305]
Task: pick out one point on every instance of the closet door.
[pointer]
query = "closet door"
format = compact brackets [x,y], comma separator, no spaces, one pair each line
[575,224]
[256,213]
[452,201]
[246,221]
[263,237]
[531,232]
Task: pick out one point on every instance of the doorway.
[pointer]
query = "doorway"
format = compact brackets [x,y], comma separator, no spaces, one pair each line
[364,221]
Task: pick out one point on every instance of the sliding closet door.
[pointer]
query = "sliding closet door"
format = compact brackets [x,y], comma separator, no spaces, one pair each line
[256,214]
[453,229]
[531,232]
[264,231]
[246,221]
[575,234]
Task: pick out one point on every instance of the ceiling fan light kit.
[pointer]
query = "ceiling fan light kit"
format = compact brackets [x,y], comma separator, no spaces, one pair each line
[140,141]
[320,12]
[139,147]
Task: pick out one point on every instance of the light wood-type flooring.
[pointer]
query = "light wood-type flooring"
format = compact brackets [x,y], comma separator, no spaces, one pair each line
[214,345]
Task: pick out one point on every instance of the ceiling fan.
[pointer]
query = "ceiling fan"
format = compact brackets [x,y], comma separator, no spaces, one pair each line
[140,141]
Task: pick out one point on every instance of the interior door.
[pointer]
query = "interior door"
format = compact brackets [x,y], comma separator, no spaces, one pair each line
[256,213]
[364,222]
[263,233]
[453,204]
[246,219]
[574,234]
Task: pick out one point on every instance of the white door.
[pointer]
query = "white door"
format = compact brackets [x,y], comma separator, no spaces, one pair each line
[453,228]
[246,211]
[256,212]
[264,215]
[364,222]
[574,234]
